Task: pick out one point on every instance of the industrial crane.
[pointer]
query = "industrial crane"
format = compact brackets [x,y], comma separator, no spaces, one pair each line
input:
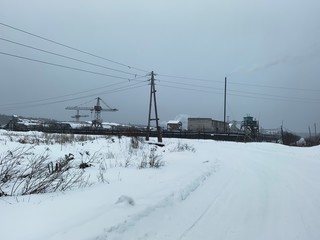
[78,116]
[97,121]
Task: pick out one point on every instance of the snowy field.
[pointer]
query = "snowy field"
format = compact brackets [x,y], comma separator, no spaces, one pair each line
[193,189]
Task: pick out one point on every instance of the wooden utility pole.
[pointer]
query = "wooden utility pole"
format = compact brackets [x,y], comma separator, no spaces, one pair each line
[309,132]
[282,135]
[153,97]
[225,104]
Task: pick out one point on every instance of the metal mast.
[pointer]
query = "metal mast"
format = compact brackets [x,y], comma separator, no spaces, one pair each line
[97,122]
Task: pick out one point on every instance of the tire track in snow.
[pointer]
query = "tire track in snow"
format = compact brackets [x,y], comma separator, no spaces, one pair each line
[169,200]
[231,187]
[206,210]
[302,211]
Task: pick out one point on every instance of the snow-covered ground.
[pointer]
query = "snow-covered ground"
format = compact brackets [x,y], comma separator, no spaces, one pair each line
[203,190]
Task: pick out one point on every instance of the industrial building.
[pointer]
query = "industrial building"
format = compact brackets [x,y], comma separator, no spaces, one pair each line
[174,125]
[205,125]
[250,126]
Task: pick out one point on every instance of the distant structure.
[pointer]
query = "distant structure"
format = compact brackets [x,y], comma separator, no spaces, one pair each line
[250,126]
[97,109]
[78,116]
[174,125]
[205,125]
[12,123]
[233,126]
[21,124]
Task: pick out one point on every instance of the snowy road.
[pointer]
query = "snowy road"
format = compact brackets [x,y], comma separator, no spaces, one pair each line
[273,197]
[214,190]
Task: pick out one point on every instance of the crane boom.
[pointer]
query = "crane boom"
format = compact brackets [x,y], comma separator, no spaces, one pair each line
[91,109]
[80,108]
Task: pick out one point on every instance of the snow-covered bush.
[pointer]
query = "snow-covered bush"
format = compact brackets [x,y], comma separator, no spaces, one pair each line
[181,147]
[33,164]
[22,173]
[155,160]
[101,174]
[301,142]
[135,142]
[152,159]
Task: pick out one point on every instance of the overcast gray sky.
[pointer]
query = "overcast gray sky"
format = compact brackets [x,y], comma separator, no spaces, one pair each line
[269,50]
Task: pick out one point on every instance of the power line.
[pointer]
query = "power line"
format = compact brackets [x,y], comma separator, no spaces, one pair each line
[62,66]
[276,96]
[72,48]
[189,78]
[235,83]
[62,96]
[189,89]
[277,87]
[125,88]
[277,99]
[64,56]
[131,67]
[260,96]
[237,91]
[190,84]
